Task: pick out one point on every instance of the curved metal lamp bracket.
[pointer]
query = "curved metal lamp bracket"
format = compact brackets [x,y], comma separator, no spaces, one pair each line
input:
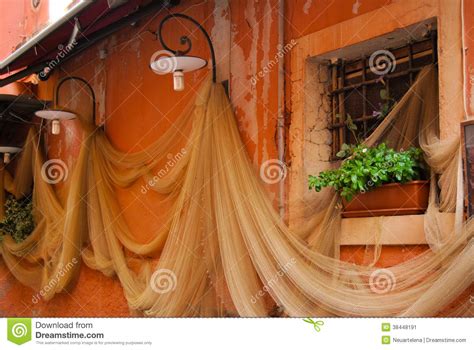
[62,81]
[186,41]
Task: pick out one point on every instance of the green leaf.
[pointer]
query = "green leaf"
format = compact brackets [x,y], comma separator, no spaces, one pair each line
[341,154]
[369,167]
[18,221]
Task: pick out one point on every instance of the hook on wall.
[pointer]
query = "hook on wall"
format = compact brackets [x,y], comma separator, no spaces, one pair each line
[57,114]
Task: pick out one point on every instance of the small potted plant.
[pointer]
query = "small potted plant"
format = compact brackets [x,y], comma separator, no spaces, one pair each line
[18,221]
[378,181]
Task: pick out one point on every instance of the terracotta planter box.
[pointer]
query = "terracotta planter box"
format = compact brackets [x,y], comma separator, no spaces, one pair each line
[389,200]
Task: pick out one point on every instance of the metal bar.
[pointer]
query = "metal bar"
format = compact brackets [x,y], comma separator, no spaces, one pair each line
[355,72]
[21,74]
[355,121]
[342,108]
[335,136]
[86,83]
[400,60]
[364,95]
[434,46]
[410,61]
[387,86]
[373,81]
[281,132]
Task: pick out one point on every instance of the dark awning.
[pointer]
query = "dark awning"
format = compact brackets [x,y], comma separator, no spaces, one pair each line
[16,113]
[97,19]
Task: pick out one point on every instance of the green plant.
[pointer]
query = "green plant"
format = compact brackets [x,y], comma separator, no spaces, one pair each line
[384,109]
[386,106]
[18,221]
[352,127]
[370,167]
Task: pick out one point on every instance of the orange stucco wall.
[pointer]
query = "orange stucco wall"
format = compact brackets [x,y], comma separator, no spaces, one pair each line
[19,21]
[138,106]
[469,57]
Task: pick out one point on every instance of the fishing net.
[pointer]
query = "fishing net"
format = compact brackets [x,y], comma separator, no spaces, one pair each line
[223,249]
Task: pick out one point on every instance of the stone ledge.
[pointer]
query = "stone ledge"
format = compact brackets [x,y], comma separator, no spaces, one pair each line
[396,230]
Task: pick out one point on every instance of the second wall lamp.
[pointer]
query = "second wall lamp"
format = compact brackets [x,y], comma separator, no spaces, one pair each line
[57,114]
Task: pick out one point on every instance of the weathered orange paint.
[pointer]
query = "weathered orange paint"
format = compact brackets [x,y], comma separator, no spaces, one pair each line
[469,56]
[138,106]
[93,295]
[19,22]
[16,89]
[254,45]
[308,16]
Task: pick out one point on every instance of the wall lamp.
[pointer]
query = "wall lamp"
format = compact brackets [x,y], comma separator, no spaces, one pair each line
[57,114]
[7,151]
[179,62]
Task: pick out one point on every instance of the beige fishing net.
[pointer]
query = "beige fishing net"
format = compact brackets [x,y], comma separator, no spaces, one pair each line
[223,249]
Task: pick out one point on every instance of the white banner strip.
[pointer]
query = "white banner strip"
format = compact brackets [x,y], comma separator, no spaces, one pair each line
[236,333]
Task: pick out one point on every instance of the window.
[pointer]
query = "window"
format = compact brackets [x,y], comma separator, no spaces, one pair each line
[362,92]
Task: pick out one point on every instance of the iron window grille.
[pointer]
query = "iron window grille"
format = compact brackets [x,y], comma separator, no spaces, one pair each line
[355,89]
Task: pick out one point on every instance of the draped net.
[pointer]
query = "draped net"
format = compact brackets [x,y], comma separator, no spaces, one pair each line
[223,250]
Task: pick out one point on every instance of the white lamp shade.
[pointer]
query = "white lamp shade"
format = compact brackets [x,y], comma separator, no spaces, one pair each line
[55,114]
[7,152]
[170,64]
[8,149]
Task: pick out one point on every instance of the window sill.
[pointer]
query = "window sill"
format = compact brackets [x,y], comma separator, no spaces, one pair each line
[396,230]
